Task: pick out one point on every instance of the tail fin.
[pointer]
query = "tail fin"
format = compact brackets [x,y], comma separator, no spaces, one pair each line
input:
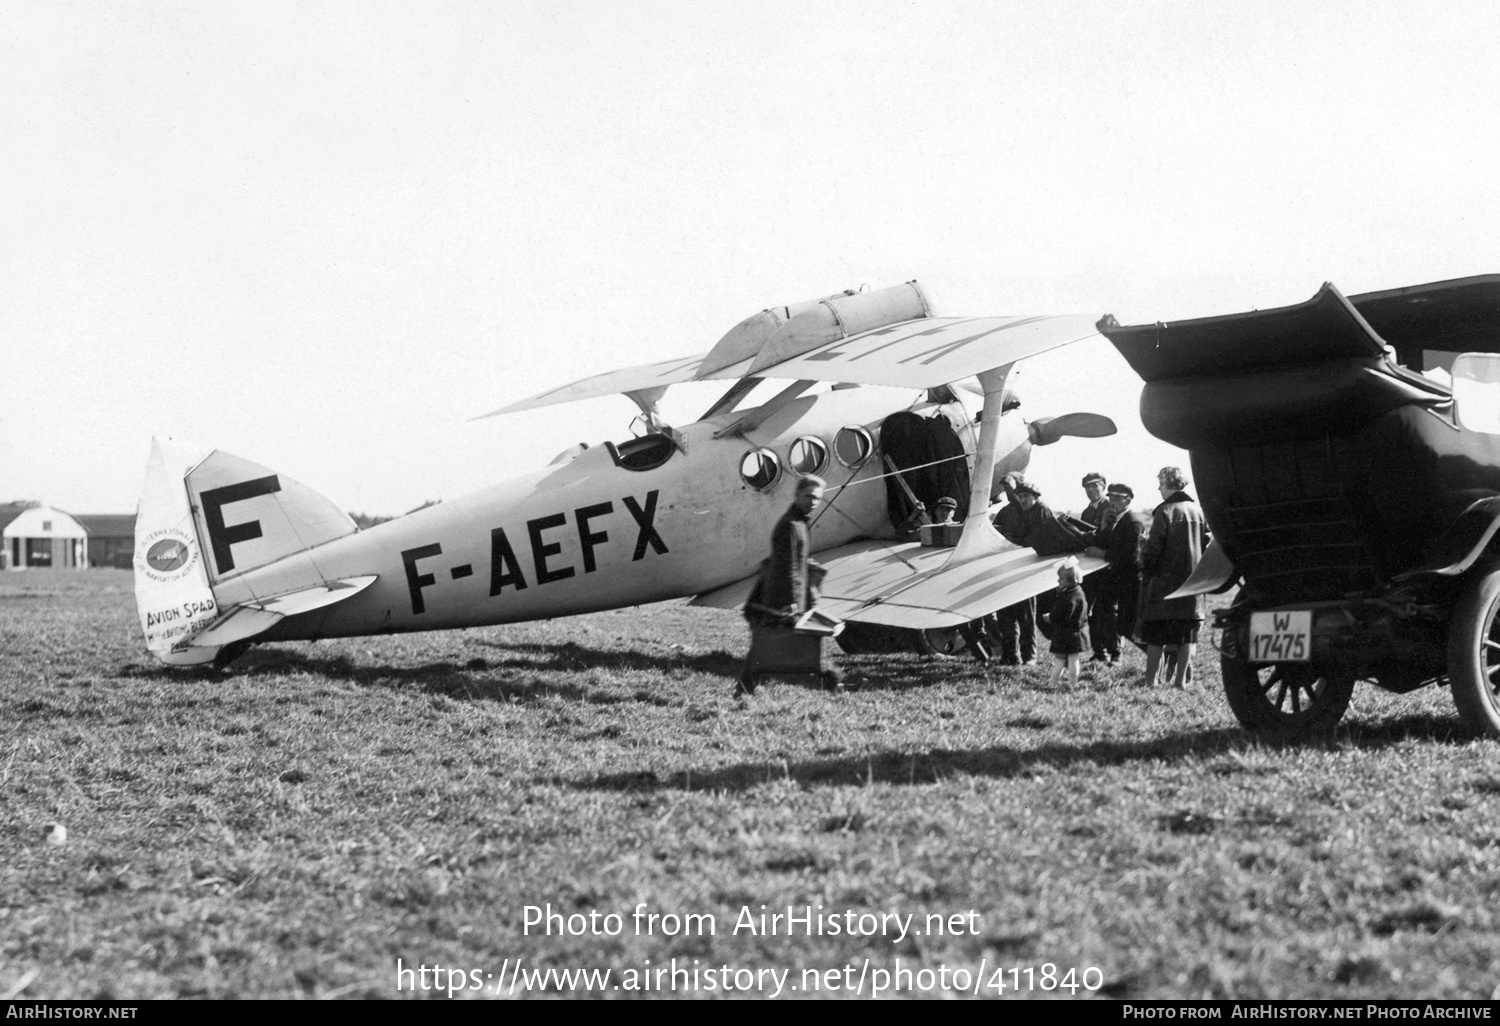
[206,517]
[172,593]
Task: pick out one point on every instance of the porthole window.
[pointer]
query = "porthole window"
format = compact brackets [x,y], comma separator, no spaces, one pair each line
[760,468]
[807,455]
[852,446]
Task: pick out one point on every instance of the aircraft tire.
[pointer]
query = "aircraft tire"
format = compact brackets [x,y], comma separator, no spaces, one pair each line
[872,639]
[1290,699]
[1474,652]
[943,642]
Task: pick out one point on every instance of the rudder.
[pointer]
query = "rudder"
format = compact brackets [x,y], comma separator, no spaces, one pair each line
[206,517]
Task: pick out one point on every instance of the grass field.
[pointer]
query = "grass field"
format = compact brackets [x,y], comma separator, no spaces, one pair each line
[298,825]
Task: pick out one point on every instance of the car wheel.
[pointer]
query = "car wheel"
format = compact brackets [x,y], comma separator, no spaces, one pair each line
[1299,699]
[1474,652]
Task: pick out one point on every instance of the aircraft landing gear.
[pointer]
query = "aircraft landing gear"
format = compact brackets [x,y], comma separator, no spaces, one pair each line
[942,642]
[872,639]
[970,639]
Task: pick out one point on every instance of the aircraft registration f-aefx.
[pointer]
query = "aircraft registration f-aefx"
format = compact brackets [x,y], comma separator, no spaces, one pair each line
[230,553]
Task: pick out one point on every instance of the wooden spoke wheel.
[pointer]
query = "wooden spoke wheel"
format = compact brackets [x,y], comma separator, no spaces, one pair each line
[1285,698]
[1474,652]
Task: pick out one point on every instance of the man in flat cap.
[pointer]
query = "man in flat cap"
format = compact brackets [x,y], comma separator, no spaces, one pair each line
[1016,624]
[1098,516]
[1095,513]
[1027,520]
[1119,584]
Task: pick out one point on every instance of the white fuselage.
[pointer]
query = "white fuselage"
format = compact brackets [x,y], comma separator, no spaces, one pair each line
[588,534]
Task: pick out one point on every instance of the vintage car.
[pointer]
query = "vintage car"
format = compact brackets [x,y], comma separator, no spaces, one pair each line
[1354,498]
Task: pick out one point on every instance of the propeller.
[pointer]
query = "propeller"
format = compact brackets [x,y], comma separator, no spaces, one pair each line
[1046,430]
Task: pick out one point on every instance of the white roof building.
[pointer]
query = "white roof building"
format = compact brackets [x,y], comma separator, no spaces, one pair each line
[41,536]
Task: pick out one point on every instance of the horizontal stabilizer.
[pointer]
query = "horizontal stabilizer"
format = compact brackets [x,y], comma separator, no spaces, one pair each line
[902,584]
[251,618]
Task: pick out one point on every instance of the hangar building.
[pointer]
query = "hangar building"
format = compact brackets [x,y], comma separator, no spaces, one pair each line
[41,536]
[111,538]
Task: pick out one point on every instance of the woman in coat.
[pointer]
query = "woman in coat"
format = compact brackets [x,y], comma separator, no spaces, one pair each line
[1179,534]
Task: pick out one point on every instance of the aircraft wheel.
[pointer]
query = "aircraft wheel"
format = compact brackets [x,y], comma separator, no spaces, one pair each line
[1474,652]
[1285,698]
[943,642]
[871,638]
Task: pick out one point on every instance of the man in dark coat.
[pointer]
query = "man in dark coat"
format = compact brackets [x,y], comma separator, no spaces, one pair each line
[1027,520]
[1098,515]
[788,578]
[1119,584]
[1016,624]
[1098,509]
[785,583]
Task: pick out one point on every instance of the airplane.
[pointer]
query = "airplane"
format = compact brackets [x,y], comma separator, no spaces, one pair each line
[230,553]
[1354,498]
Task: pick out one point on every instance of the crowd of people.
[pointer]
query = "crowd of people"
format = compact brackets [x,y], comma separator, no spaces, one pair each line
[1148,557]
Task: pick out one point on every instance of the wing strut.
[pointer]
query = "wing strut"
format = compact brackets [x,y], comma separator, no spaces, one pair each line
[911,496]
[979,537]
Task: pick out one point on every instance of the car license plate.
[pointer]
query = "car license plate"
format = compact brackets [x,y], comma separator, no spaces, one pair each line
[1284,637]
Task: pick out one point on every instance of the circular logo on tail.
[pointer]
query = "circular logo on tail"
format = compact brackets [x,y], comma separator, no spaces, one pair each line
[167,554]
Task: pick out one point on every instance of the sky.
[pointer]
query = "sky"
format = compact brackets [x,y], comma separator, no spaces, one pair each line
[325,236]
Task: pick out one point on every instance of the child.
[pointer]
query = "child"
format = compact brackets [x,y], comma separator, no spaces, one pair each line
[1068,622]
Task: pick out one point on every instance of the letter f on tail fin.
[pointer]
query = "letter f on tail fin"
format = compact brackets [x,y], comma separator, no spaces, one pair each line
[208,516]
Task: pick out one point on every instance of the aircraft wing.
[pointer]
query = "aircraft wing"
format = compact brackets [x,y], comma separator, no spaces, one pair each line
[902,584]
[927,351]
[642,378]
[884,337]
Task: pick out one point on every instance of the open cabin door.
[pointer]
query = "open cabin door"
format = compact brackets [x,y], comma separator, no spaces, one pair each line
[931,460]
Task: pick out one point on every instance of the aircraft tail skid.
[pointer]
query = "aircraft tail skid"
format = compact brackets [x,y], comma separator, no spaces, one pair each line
[207,517]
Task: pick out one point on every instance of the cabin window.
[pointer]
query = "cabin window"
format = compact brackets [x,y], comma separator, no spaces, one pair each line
[644,453]
[807,455]
[760,468]
[852,446]
[1476,391]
